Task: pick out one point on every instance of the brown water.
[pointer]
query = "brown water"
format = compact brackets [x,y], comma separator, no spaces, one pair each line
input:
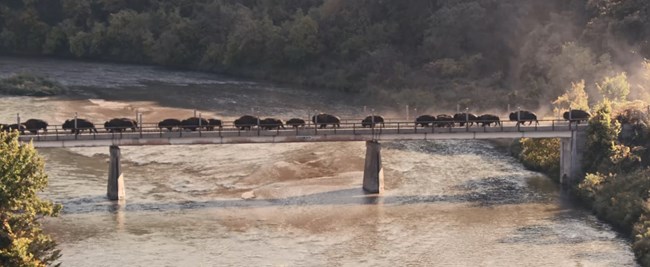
[451,203]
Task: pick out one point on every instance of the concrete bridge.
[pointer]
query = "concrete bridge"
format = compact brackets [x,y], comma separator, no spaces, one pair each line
[572,136]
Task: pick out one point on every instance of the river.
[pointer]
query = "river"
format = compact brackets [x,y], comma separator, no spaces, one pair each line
[446,203]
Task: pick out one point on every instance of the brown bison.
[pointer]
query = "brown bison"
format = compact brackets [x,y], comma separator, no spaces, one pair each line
[488,119]
[371,121]
[194,123]
[271,123]
[322,120]
[34,125]
[214,123]
[425,120]
[576,115]
[13,127]
[295,123]
[169,124]
[462,118]
[523,116]
[81,125]
[444,120]
[120,125]
[246,122]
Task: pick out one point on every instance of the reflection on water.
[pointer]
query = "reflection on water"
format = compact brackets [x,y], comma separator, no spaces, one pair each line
[448,203]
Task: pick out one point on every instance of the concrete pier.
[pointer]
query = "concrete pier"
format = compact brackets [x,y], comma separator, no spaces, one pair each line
[115,190]
[571,151]
[373,173]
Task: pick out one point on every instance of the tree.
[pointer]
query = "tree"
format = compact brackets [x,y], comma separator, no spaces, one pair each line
[302,35]
[615,88]
[22,176]
[602,134]
[574,98]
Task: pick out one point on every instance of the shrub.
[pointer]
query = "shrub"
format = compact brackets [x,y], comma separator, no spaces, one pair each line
[30,85]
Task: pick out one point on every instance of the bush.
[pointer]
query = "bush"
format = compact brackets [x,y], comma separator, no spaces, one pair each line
[541,155]
[30,85]
[22,176]
[602,134]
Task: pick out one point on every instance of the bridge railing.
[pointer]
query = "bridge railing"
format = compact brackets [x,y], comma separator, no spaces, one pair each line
[228,129]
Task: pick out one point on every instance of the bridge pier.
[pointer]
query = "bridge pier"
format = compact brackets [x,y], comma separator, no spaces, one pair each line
[373,173]
[115,189]
[571,151]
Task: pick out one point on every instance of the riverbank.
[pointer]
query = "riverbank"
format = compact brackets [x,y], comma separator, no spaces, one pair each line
[25,84]
[449,202]
[617,181]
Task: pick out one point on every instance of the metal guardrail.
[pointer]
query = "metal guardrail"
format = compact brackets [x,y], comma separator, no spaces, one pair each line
[151,130]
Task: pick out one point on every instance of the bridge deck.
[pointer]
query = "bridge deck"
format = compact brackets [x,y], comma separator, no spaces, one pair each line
[152,135]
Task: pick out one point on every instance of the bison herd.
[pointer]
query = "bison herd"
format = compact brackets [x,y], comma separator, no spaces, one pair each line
[462,119]
[322,120]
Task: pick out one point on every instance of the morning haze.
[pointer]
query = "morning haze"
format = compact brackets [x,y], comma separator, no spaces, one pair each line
[324,133]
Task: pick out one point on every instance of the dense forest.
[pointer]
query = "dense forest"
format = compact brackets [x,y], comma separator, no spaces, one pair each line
[419,52]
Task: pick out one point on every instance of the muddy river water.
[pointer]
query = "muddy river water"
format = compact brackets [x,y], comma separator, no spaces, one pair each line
[446,203]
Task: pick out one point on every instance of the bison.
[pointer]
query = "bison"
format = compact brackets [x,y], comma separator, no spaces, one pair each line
[214,123]
[194,123]
[523,116]
[169,124]
[444,120]
[322,120]
[371,121]
[13,127]
[246,122]
[81,124]
[488,119]
[425,120]
[120,125]
[462,118]
[33,125]
[271,123]
[576,115]
[295,123]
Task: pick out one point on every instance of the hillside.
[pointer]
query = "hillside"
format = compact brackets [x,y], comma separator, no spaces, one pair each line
[478,53]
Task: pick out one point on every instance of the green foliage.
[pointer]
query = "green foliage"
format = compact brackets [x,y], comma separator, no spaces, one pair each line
[615,88]
[477,48]
[602,133]
[30,85]
[302,39]
[641,232]
[22,176]
[574,98]
[129,36]
[541,155]
[620,196]
[622,200]
[618,199]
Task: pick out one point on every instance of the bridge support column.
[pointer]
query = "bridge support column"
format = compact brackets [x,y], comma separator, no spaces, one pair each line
[571,151]
[373,173]
[115,190]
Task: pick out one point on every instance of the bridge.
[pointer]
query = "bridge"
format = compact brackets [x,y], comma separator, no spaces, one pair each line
[148,134]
